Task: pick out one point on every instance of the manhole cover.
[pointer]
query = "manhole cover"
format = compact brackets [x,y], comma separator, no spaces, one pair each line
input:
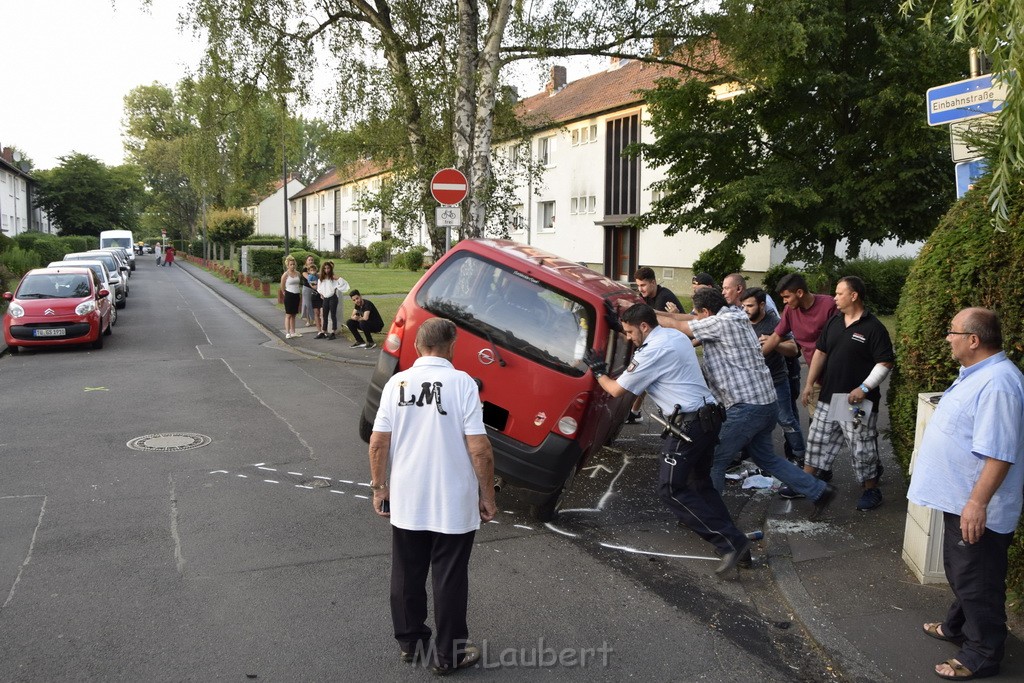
[175,441]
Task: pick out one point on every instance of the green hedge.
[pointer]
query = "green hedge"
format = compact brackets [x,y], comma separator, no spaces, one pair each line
[49,247]
[719,261]
[884,279]
[964,263]
[356,253]
[267,264]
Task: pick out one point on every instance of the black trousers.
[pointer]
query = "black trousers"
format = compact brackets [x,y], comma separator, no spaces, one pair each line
[330,311]
[977,575]
[684,484]
[354,326]
[446,556]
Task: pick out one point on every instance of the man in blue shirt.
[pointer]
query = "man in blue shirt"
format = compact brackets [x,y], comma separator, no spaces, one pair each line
[968,466]
[665,365]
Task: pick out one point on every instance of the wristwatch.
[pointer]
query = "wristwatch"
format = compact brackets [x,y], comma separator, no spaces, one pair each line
[864,388]
[378,487]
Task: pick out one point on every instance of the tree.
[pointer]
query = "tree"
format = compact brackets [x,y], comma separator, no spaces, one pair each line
[825,139]
[427,75]
[994,26]
[83,196]
[228,226]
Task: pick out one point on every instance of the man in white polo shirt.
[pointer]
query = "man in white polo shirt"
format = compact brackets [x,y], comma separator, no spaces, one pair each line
[429,432]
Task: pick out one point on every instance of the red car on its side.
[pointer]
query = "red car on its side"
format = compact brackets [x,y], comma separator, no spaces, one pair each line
[57,306]
[526,317]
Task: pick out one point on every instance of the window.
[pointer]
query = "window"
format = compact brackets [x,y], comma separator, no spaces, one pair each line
[575,138]
[516,218]
[593,133]
[546,150]
[546,216]
[573,205]
[592,204]
[323,200]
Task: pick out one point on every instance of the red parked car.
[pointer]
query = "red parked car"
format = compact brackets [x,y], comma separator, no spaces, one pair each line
[57,306]
[525,319]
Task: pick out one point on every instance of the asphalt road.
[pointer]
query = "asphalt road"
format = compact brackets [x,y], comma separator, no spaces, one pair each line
[255,555]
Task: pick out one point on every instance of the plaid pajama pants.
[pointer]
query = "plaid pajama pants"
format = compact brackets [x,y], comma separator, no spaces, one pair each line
[825,437]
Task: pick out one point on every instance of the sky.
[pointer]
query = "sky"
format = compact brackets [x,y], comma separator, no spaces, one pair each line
[74,61]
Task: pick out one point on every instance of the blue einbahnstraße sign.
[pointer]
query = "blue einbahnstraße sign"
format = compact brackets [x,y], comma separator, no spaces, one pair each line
[981,96]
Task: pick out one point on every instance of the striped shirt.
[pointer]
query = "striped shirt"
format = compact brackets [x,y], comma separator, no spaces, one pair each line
[733,364]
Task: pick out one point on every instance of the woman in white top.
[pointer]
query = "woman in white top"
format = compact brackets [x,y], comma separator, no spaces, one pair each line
[329,286]
[291,285]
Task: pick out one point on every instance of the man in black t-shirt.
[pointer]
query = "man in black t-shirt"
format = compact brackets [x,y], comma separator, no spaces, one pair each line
[660,299]
[365,319]
[853,356]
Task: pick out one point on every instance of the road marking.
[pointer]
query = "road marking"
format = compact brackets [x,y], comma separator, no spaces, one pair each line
[219,472]
[243,476]
[523,526]
[295,474]
[269,469]
[96,389]
[179,557]
[302,486]
[346,481]
[363,497]
[627,549]
[271,481]
[317,476]
[367,485]
[336,491]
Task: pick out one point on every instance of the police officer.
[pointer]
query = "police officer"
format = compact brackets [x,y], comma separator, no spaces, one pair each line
[665,365]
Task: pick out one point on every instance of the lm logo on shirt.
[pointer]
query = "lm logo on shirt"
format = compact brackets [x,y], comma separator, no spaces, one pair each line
[430,392]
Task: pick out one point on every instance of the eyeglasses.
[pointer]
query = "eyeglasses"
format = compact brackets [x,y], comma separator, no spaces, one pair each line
[949,332]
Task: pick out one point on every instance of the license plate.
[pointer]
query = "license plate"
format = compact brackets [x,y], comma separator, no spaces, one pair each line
[50,332]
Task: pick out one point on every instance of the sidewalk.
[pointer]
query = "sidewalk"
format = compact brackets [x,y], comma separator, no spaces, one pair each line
[845,580]
[843,576]
[269,316]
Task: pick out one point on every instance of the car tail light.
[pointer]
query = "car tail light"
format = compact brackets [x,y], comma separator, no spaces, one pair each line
[569,422]
[393,342]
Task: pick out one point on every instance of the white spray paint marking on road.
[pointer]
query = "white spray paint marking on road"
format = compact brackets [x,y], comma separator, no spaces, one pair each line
[243,476]
[219,472]
[277,414]
[269,469]
[271,481]
[31,547]
[179,557]
[523,526]
[303,486]
[563,532]
[337,491]
[363,497]
[317,476]
[626,548]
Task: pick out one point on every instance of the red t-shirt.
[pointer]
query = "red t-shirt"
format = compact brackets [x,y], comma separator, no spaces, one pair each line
[806,324]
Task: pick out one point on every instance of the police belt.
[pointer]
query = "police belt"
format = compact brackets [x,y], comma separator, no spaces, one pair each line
[679,419]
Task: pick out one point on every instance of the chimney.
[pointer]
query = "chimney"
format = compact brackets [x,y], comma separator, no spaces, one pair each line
[8,155]
[557,81]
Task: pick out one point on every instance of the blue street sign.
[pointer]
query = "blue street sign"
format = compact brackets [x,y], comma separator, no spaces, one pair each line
[967,173]
[965,100]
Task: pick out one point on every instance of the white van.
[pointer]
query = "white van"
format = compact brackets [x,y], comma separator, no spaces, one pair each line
[120,238]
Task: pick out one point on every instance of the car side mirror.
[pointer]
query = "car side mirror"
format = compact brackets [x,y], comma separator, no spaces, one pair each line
[8,296]
[102,293]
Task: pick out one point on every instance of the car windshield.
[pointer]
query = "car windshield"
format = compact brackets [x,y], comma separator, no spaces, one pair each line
[54,286]
[511,310]
[125,242]
[94,267]
[109,261]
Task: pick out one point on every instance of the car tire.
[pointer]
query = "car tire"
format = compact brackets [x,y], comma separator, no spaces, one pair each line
[98,344]
[13,350]
[547,509]
[110,327]
[121,304]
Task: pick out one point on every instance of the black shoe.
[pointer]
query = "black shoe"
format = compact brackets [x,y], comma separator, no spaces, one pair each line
[788,493]
[634,418]
[332,336]
[824,475]
[826,497]
[320,335]
[470,656]
[745,561]
[732,558]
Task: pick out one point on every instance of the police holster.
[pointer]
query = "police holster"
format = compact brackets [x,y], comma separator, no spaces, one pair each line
[711,417]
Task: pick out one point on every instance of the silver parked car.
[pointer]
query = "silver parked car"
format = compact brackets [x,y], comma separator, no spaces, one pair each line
[104,277]
[117,277]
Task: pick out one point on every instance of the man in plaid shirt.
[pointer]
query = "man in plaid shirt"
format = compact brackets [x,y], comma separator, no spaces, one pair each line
[738,377]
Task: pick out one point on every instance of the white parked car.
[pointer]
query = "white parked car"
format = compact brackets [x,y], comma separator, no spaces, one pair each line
[105,281]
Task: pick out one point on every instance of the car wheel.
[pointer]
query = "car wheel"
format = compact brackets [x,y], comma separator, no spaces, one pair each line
[113,315]
[365,428]
[547,509]
[121,304]
[110,326]
[13,350]
[98,344]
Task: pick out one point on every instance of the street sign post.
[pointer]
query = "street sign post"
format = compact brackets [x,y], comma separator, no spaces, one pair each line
[449,186]
[962,100]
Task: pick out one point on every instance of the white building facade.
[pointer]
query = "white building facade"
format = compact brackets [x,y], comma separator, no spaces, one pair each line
[18,212]
[268,214]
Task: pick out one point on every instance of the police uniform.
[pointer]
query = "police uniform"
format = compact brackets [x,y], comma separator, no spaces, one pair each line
[666,367]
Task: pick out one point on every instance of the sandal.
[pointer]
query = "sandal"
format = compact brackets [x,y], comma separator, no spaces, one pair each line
[933,631]
[960,672]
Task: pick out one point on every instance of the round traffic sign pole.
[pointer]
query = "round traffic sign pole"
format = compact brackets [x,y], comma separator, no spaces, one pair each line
[449,186]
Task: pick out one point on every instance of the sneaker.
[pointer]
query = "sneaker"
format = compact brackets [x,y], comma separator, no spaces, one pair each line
[332,336]
[320,335]
[470,656]
[357,345]
[870,499]
[788,493]
[370,345]
[826,497]
[288,335]
[634,418]
[297,334]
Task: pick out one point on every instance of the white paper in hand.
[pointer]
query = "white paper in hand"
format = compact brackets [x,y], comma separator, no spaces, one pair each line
[841,410]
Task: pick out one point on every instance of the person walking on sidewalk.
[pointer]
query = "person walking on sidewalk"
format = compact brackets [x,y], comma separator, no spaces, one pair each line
[169,255]
[365,319]
[740,380]
[969,467]
[853,356]
[329,287]
[665,365]
[660,299]
[291,285]
[441,486]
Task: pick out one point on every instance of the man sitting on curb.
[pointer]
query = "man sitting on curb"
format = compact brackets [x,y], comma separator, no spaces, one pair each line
[364,318]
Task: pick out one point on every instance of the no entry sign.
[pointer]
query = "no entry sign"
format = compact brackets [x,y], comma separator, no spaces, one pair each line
[449,186]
